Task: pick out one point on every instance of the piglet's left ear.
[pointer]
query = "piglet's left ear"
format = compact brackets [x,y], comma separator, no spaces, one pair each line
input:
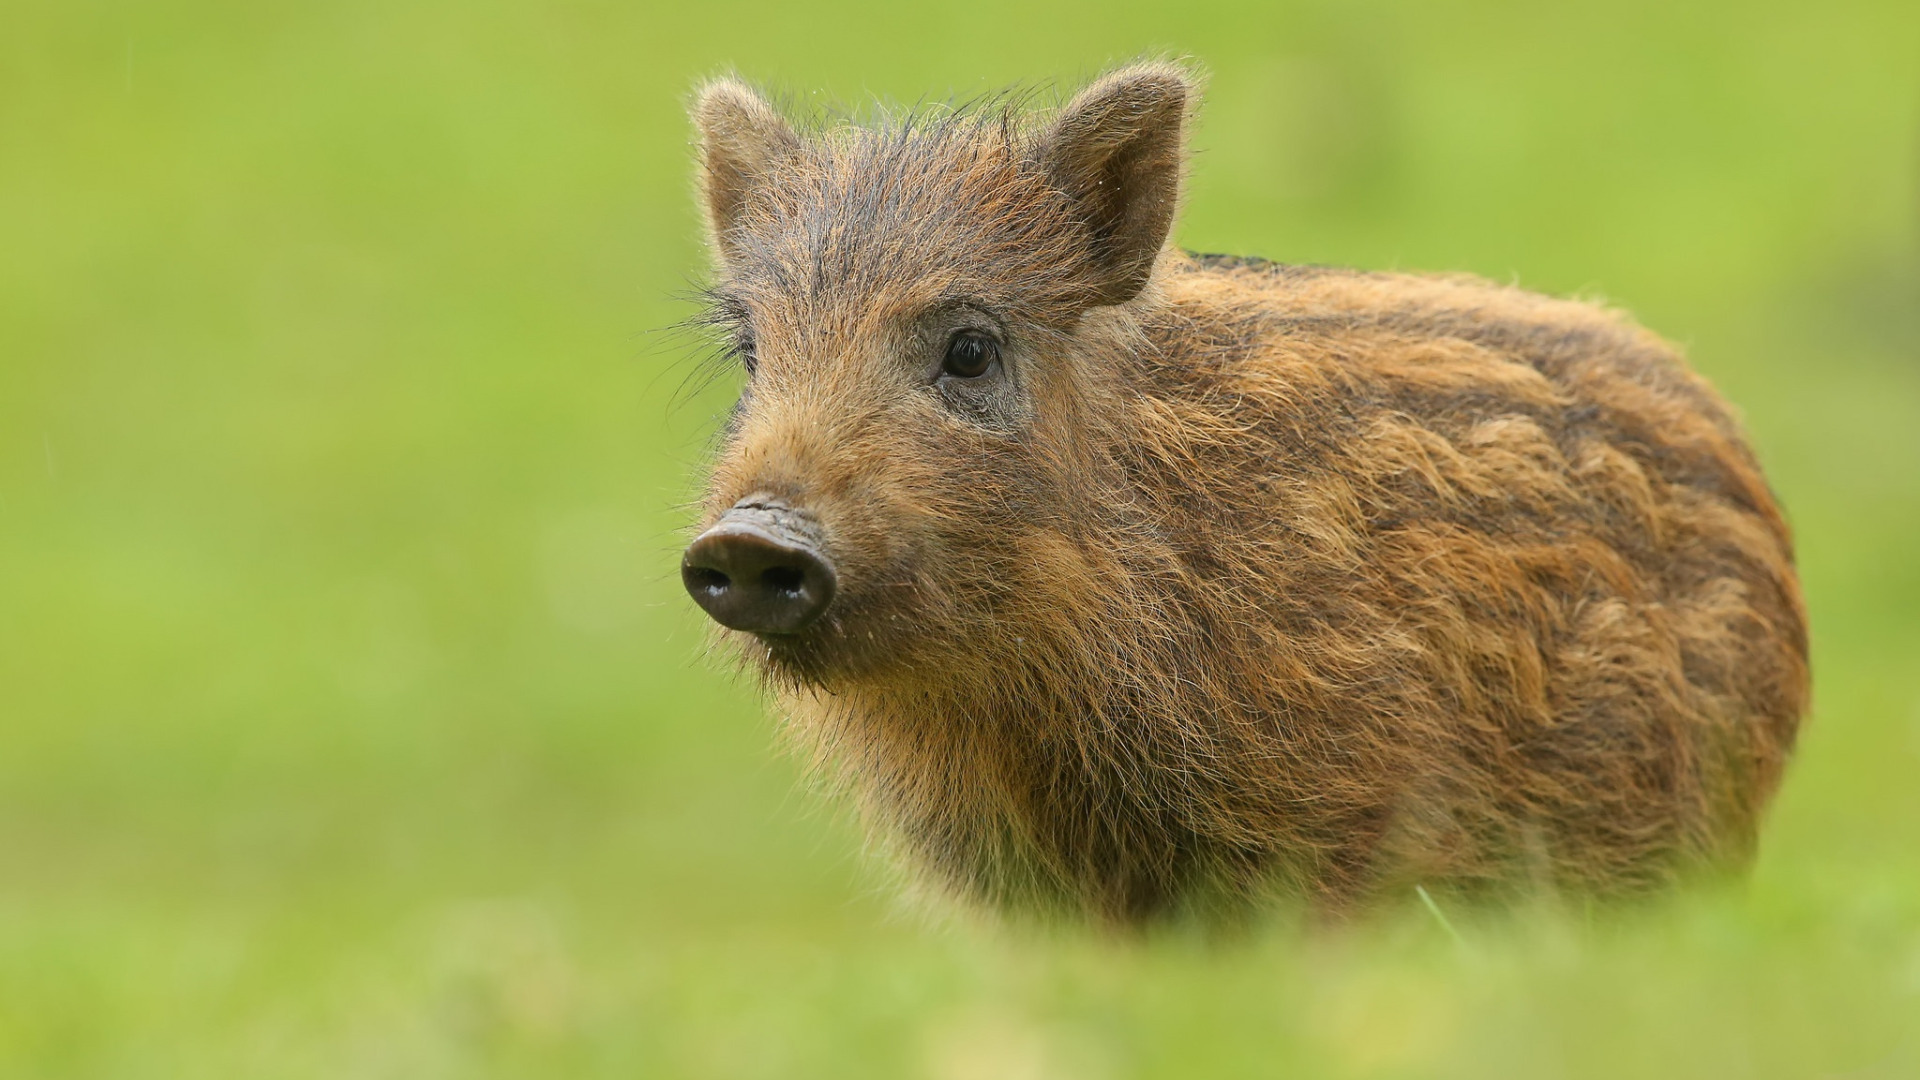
[743,142]
[1117,150]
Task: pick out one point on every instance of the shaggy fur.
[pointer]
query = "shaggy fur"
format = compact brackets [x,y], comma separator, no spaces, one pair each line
[1235,579]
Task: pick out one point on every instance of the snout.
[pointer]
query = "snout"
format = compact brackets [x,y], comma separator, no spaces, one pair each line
[760,568]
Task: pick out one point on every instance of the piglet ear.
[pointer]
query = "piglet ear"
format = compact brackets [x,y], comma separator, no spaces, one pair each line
[1117,150]
[743,141]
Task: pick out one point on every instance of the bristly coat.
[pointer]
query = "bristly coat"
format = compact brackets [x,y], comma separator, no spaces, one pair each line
[1219,579]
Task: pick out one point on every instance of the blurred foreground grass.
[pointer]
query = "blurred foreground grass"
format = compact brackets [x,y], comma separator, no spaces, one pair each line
[352,723]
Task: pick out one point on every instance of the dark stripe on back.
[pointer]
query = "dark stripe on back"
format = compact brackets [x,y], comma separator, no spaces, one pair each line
[1258,265]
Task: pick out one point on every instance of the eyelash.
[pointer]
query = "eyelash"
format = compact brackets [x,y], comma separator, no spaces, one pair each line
[743,350]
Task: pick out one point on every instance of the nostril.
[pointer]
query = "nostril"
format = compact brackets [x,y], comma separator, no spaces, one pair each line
[759,576]
[707,580]
[784,579]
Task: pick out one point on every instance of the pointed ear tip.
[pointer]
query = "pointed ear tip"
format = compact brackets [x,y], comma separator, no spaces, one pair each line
[1168,82]
[1164,72]
[724,94]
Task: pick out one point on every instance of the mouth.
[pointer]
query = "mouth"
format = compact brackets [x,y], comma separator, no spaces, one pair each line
[813,658]
[843,647]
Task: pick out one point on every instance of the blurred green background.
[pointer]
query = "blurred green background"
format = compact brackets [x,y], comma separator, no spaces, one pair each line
[352,723]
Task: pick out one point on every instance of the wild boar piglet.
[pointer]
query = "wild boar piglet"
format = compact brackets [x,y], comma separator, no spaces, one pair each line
[1120,582]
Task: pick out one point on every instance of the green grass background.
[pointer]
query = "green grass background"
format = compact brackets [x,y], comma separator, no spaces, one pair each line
[352,723]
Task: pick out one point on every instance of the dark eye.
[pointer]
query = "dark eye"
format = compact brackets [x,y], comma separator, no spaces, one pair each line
[970,354]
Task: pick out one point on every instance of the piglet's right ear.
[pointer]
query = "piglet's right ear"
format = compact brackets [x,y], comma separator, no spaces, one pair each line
[1117,150]
[742,142]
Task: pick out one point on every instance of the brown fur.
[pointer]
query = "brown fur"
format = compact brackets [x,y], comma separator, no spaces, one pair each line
[1241,579]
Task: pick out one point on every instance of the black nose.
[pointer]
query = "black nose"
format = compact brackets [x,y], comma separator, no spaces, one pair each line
[754,570]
